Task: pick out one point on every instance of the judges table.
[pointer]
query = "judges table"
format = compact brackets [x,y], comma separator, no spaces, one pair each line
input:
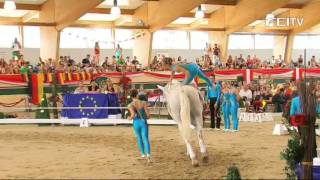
[87,106]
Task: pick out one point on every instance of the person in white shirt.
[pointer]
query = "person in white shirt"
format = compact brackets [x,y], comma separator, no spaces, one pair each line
[246,94]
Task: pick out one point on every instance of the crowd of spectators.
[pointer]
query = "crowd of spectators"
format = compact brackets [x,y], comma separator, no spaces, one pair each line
[91,63]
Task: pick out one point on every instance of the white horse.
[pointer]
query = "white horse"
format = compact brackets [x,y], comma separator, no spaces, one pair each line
[185,107]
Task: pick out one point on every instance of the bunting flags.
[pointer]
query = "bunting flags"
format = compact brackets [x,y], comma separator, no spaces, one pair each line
[61,78]
[49,77]
[37,88]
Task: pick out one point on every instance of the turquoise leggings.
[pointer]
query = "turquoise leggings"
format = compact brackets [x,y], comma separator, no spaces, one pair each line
[142,133]
[226,114]
[234,115]
[195,71]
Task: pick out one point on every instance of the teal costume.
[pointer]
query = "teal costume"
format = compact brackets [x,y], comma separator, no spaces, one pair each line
[295,106]
[234,105]
[230,106]
[194,71]
[142,131]
[118,54]
[226,104]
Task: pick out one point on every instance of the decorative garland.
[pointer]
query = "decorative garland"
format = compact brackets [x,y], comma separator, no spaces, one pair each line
[135,36]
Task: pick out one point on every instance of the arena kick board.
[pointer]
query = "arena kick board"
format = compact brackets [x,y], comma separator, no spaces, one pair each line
[78,121]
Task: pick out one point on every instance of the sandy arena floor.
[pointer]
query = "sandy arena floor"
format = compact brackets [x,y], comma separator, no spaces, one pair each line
[111,152]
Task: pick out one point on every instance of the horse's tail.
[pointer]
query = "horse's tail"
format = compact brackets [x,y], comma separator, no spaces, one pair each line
[185,114]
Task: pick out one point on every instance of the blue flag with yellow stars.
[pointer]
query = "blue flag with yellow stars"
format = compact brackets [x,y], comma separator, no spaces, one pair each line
[81,101]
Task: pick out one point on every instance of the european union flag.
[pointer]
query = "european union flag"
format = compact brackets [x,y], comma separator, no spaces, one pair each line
[86,100]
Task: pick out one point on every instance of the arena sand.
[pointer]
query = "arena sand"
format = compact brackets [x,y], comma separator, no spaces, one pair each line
[111,152]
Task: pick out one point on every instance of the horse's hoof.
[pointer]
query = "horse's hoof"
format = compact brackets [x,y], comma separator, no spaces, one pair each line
[195,163]
[205,158]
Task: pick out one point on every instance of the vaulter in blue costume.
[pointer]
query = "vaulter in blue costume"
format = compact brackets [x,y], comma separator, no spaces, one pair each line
[230,106]
[234,105]
[226,104]
[139,114]
[190,70]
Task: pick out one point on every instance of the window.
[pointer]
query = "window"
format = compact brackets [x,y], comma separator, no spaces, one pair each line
[199,39]
[263,41]
[241,42]
[86,38]
[306,42]
[31,36]
[123,37]
[7,35]
[170,40]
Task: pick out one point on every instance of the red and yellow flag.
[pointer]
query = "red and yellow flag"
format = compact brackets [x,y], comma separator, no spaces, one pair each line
[37,88]
[83,76]
[49,77]
[69,76]
[76,76]
[61,78]
[89,76]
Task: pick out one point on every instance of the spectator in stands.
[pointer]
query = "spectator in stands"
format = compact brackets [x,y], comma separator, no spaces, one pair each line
[246,95]
[135,61]
[109,86]
[16,48]
[81,89]
[229,62]
[300,61]
[279,100]
[105,63]
[241,62]
[216,52]
[97,53]
[93,88]
[118,53]
[249,62]
[313,62]
[24,69]
[86,61]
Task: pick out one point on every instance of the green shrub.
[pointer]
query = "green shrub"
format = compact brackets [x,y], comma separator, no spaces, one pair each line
[233,173]
[293,155]
[2,116]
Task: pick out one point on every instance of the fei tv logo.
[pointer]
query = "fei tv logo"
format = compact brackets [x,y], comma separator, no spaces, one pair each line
[272,21]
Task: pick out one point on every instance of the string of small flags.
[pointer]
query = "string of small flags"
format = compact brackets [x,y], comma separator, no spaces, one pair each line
[135,36]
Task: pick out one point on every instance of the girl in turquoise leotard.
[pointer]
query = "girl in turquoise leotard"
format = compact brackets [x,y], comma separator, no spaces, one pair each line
[190,70]
[118,52]
[226,110]
[139,114]
[230,106]
[234,105]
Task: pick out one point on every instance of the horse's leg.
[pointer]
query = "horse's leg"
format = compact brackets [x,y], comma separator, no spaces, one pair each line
[183,139]
[203,148]
[192,154]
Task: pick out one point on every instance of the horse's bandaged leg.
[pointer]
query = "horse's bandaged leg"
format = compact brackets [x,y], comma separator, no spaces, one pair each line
[191,153]
[202,145]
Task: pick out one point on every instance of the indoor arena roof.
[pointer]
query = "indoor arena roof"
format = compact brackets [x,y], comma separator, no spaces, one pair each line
[219,15]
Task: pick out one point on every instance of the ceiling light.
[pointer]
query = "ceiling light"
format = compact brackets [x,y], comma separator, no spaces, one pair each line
[9,5]
[199,13]
[115,10]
